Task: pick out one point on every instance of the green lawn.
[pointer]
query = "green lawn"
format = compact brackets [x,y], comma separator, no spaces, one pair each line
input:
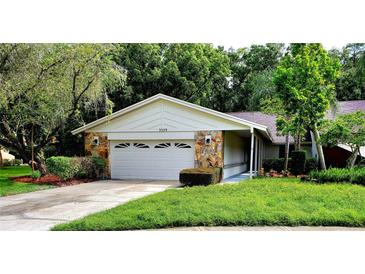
[9,187]
[263,202]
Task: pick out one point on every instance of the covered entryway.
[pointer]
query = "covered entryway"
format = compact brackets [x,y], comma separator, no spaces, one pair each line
[150,159]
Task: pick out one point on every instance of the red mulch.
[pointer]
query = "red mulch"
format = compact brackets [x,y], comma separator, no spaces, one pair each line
[51,180]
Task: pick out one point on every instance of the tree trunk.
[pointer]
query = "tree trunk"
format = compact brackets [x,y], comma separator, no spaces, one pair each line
[352,159]
[1,159]
[320,153]
[287,140]
[297,138]
[40,166]
[38,161]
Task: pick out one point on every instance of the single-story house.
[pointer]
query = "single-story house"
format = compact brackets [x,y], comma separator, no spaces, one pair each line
[159,136]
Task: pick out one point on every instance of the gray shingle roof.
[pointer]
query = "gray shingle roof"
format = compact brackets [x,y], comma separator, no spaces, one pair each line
[342,107]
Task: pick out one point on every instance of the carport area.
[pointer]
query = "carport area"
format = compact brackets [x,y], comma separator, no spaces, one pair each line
[41,210]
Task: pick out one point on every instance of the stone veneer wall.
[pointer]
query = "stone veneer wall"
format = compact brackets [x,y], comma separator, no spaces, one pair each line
[209,155]
[102,150]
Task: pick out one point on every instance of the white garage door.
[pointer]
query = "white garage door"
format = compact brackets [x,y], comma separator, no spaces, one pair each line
[157,159]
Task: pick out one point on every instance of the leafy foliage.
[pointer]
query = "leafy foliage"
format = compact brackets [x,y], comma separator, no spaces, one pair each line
[277,164]
[298,162]
[305,81]
[44,85]
[76,167]
[346,129]
[64,167]
[351,83]
[191,72]
[339,175]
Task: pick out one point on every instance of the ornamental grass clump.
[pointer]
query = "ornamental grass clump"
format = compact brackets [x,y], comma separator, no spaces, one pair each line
[339,175]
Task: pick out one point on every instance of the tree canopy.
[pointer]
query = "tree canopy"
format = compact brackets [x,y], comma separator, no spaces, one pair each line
[43,85]
[305,81]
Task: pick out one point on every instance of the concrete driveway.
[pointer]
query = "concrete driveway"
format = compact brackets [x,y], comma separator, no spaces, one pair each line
[43,209]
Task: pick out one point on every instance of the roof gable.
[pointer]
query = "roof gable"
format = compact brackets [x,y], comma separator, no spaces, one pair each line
[162,112]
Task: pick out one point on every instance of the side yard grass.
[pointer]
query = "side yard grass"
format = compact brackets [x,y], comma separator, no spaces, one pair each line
[260,202]
[9,187]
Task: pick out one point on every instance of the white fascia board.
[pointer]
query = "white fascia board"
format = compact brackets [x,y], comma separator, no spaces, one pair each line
[174,100]
[151,136]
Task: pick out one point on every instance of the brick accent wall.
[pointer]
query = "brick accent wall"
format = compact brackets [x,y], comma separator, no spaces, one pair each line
[101,150]
[209,155]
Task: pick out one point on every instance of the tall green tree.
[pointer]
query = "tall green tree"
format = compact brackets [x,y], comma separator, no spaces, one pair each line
[351,83]
[305,82]
[191,72]
[42,86]
[251,73]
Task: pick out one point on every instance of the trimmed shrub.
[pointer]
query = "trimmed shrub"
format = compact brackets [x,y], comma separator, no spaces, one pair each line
[76,167]
[99,167]
[36,174]
[339,175]
[298,162]
[275,164]
[91,167]
[311,164]
[200,176]
[64,167]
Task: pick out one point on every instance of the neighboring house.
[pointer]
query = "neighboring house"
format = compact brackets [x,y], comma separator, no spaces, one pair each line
[157,137]
[334,156]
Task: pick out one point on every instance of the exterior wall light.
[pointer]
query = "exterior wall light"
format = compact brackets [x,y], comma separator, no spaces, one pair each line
[208,139]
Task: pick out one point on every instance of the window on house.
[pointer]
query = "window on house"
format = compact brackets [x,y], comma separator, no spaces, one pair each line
[123,145]
[163,145]
[140,145]
[182,145]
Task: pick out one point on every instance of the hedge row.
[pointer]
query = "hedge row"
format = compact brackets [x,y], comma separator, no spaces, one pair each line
[200,176]
[76,167]
[278,165]
[339,175]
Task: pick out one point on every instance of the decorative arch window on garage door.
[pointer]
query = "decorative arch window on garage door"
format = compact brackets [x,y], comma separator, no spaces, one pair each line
[163,145]
[182,145]
[140,145]
[123,145]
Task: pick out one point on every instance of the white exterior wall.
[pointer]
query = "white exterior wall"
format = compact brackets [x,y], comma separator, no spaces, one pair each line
[271,151]
[235,156]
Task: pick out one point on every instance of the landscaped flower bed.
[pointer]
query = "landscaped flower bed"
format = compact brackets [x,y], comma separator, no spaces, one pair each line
[50,180]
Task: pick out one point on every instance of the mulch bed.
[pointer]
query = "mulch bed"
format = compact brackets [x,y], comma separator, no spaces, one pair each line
[50,180]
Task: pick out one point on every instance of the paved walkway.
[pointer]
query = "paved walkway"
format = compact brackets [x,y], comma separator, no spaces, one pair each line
[43,209]
[236,178]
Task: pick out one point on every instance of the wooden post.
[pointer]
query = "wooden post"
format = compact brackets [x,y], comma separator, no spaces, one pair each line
[251,152]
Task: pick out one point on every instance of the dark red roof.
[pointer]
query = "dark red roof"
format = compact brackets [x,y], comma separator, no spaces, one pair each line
[343,107]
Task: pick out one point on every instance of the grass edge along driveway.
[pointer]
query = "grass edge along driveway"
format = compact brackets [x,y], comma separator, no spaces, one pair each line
[9,187]
[260,202]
